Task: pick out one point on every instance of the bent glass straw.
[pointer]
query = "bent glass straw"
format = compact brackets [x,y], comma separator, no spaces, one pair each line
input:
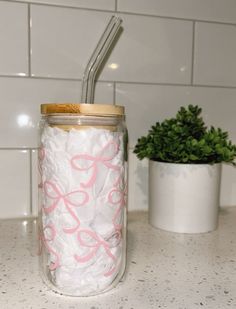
[97,57]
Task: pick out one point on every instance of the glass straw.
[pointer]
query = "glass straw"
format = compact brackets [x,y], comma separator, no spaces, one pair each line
[97,57]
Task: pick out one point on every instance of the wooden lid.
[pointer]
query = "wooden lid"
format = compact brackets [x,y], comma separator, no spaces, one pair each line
[83,109]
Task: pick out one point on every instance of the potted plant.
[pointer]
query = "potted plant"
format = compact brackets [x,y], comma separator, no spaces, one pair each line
[184,171]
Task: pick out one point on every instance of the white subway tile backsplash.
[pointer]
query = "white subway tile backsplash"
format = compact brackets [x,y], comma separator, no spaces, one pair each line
[20,116]
[151,50]
[212,10]
[90,4]
[148,50]
[215,54]
[14,183]
[104,93]
[62,40]
[20,105]
[13,39]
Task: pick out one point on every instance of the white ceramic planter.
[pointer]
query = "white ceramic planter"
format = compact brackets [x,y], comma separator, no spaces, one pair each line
[184,198]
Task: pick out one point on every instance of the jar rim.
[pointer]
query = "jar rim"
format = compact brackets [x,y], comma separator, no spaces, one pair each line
[82,109]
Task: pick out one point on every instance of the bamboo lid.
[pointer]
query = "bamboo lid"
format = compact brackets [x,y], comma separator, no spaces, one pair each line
[83,109]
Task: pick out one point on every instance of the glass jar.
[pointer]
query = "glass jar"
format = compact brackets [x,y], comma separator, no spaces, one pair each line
[82,197]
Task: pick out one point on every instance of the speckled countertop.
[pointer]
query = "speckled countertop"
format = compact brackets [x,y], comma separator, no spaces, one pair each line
[164,270]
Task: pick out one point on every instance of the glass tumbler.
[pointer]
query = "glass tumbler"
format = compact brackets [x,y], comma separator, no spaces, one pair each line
[82,197]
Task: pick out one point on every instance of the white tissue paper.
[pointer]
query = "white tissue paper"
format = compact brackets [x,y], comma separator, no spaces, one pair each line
[83,199]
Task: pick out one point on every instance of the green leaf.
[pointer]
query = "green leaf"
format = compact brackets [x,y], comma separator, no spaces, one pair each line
[186,139]
[192,157]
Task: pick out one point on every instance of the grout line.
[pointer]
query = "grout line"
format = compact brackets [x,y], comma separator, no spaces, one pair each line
[147,83]
[114,93]
[213,86]
[69,79]
[116,5]
[31,184]
[41,77]
[174,84]
[124,12]
[29,40]
[193,53]
[178,18]
[120,82]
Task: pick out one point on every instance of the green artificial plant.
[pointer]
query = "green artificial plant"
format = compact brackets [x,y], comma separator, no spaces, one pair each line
[186,139]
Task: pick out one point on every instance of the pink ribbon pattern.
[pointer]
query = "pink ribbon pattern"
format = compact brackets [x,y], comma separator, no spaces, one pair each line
[94,244]
[116,197]
[52,192]
[95,160]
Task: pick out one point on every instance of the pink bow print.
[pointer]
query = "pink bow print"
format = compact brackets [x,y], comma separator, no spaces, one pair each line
[101,158]
[53,193]
[46,241]
[94,243]
[117,197]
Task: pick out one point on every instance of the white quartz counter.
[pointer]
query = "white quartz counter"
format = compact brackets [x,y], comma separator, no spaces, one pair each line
[164,270]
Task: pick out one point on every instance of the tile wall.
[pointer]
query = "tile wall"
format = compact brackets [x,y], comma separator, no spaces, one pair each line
[170,53]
